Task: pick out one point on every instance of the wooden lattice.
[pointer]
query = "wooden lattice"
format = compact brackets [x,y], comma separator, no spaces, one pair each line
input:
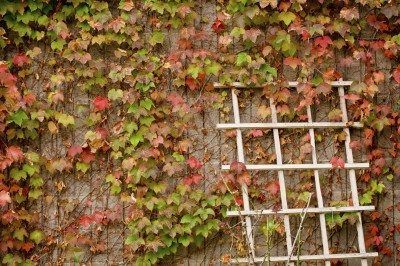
[350,167]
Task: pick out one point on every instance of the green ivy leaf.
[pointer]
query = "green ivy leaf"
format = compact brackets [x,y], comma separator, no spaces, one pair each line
[17,174]
[19,117]
[58,45]
[287,17]
[114,94]
[178,157]
[20,234]
[156,37]
[146,103]
[213,68]
[194,70]
[185,240]
[64,119]
[35,193]
[243,59]
[36,236]
[83,167]
[136,139]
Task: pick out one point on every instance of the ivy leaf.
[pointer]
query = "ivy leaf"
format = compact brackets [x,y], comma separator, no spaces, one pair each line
[35,193]
[74,150]
[396,74]
[101,103]
[335,115]
[366,198]
[380,123]
[57,45]
[185,240]
[114,94]
[287,17]
[178,157]
[194,70]
[293,62]
[29,169]
[237,32]
[243,59]
[213,69]
[146,103]
[156,37]
[337,162]
[36,236]
[65,119]
[218,26]
[194,163]
[136,139]
[19,117]
[265,3]
[271,70]
[4,198]
[20,60]
[14,153]
[20,233]
[83,167]
[264,111]
[18,174]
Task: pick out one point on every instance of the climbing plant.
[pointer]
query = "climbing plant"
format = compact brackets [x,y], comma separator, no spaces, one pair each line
[111,82]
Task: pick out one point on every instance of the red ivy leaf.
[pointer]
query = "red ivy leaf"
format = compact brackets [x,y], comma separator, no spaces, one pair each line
[14,153]
[101,103]
[273,188]
[87,156]
[4,198]
[323,41]
[196,179]
[192,180]
[239,200]
[85,221]
[194,163]
[175,99]
[337,162]
[218,26]
[396,74]
[20,60]
[256,133]
[74,150]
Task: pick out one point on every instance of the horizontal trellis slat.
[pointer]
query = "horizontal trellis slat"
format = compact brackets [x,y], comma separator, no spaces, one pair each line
[307,257]
[290,125]
[301,210]
[277,167]
[291,84]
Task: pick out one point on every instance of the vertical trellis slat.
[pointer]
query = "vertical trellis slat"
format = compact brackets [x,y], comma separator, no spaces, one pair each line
[281,177]
[352,176]
[240,157]
[320,201]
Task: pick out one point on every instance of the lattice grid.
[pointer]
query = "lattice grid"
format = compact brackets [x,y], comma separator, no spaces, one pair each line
[350,167]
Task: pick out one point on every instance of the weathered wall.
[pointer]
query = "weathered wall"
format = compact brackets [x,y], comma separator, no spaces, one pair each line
[68,197]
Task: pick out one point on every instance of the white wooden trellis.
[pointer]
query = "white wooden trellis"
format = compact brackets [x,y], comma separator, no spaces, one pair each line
[350,167]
